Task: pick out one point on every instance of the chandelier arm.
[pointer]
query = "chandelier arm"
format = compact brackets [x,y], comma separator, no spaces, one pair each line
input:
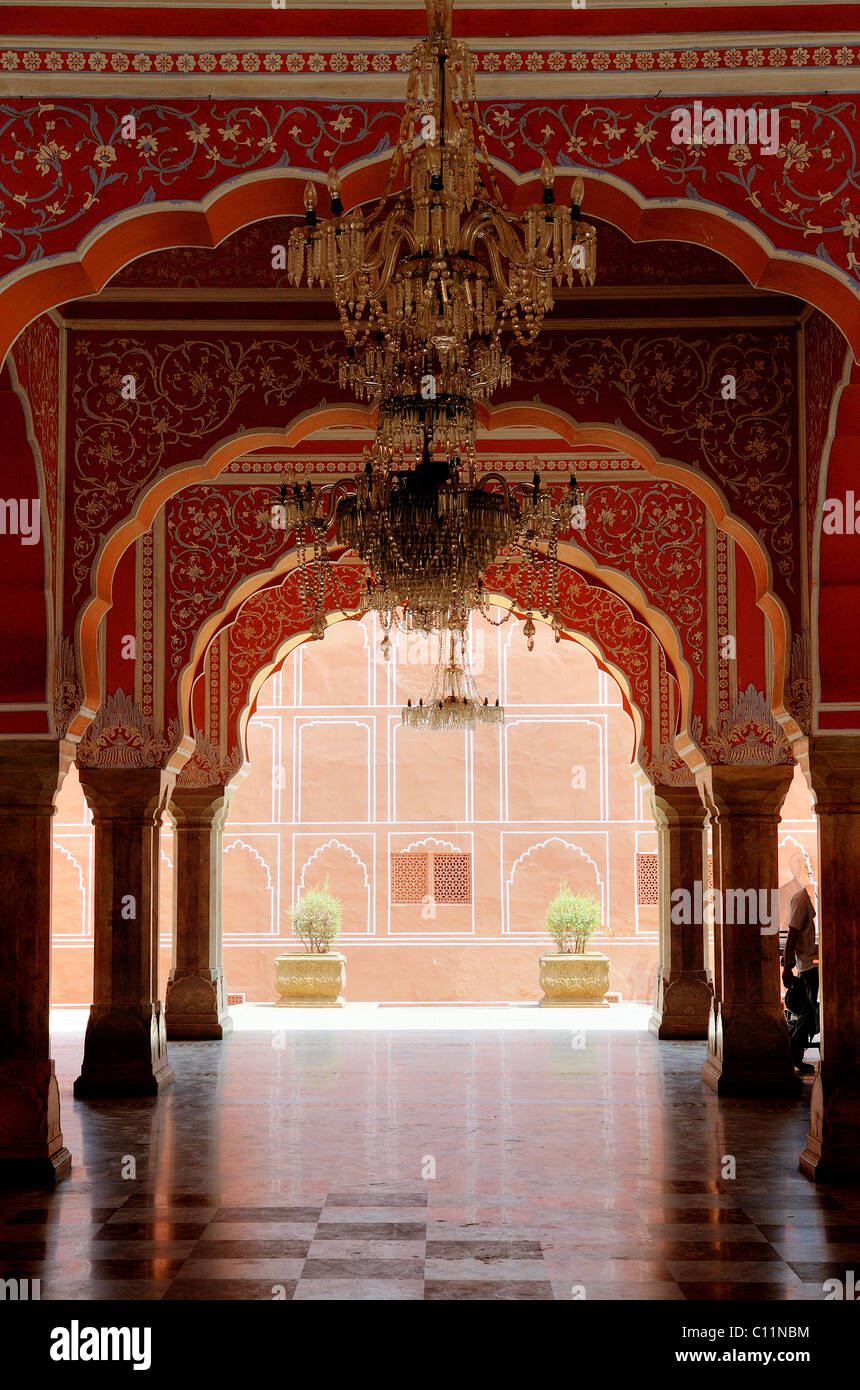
[507,490]
[509,229]
[388,248]
[483,221]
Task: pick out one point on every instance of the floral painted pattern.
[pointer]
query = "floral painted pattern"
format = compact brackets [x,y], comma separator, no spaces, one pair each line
[193,393]
[65,168]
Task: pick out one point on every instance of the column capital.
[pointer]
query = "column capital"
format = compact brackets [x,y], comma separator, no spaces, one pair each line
[831,764]
[678,805]
[199,806]
[747,789]
[126,793]
[31,771]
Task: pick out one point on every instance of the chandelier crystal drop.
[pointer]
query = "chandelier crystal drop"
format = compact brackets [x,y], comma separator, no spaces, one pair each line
[453,701]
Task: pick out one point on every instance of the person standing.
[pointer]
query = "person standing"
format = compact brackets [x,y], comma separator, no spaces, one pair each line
[800,949]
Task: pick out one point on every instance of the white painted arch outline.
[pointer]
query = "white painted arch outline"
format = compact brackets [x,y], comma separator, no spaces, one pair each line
[369,886]
[527,854]
[208,221]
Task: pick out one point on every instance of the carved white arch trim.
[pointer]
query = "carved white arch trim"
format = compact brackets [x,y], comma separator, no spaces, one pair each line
[532,850]
[334,844]
[243,844]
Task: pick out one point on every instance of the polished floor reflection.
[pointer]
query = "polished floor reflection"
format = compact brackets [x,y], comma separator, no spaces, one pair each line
[431,1154]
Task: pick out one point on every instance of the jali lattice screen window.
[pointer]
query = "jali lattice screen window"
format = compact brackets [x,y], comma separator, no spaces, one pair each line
[410,878]
[646,880]
[442,878]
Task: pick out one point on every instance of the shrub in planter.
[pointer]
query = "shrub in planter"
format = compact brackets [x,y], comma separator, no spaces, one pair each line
[571,920]
[316,977]
[573,975]
[317,918]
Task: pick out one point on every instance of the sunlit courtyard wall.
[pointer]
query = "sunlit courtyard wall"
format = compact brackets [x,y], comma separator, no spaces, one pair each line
[444,848]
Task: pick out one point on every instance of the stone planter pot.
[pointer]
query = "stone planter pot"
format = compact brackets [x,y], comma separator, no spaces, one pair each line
[311,981]
[575,981]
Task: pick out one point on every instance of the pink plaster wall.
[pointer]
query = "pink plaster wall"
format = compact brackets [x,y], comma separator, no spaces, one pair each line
[335,785]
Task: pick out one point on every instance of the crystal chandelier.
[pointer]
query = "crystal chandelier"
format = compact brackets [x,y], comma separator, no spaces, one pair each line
[453,702]
[427,537]
[427,283]
[427,286]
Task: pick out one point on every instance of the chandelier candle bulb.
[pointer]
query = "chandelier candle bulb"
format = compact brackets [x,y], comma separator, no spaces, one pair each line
[310,201]
[547,178]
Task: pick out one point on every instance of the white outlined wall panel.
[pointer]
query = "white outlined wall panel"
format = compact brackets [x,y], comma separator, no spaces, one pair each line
[348,862]
[580,857]
[335,770]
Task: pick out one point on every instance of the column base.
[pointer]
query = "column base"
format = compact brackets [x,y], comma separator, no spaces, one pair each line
[338,1003]
[29,1174]
[195,1005]
[832,1152]
[749,1053]
[32,1153]
[125,1052]
[682,1007]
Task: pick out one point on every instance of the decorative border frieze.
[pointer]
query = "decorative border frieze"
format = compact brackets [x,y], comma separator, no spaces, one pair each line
[109,61]
[570,463]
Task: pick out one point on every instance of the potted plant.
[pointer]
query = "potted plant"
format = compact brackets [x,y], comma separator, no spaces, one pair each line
[573,975]
[315,977]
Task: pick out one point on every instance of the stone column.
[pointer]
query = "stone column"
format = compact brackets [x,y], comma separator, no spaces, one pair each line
[748,1044]
[196,1000]
[125,1051]
[32,1153]
[832,1152]
[682,1004]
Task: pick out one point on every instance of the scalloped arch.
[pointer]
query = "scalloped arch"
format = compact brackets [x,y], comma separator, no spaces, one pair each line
[283,651]
[334,844]
[205,223]
[498,419]
[545,844]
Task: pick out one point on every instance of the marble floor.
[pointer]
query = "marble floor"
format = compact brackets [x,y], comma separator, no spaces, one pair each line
[431,1153]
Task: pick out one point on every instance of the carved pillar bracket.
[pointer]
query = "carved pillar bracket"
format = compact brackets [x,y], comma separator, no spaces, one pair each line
[125,1050]
[832,1152]
[32,1153]
[196,1000]
[682,1003]
[748,1043]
